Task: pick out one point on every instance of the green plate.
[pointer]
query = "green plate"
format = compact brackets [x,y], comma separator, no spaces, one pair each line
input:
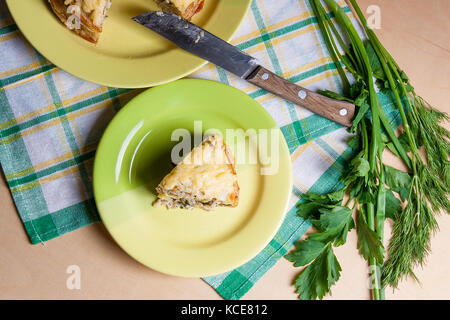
[135,154]
[127,55]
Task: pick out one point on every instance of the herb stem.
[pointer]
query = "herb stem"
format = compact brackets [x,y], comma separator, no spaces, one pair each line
[392,83]
[329,42]
[376,127]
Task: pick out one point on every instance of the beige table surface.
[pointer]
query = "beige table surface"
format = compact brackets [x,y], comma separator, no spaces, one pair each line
[416,32]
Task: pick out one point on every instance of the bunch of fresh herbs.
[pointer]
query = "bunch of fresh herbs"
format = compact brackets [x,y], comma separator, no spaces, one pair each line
[375,190]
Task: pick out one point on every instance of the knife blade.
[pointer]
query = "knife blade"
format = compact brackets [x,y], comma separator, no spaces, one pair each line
[205,45]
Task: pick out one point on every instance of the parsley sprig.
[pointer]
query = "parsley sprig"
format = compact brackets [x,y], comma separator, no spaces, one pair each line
[333,223]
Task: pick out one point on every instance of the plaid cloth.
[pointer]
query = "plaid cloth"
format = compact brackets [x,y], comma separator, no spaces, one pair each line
[51,122]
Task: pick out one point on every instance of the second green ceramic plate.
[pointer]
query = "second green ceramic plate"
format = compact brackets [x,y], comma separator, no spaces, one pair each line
[135,154]
[127,55]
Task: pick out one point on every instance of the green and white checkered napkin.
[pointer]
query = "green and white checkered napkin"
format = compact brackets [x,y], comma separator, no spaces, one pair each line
[51,122]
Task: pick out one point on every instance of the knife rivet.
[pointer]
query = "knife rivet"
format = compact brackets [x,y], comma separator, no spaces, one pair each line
[343,112]
[265,76]
[302,94]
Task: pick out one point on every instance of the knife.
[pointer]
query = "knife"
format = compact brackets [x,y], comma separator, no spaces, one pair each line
[203,44]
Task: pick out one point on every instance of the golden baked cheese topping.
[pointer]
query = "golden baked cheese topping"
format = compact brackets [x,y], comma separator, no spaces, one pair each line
[184,8]
[96,9]
[182,5]
[205,178]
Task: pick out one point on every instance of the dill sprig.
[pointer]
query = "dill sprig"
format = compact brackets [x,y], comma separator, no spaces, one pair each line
[434,137]
[410,242]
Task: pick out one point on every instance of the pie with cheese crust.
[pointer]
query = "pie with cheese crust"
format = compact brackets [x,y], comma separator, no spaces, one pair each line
[85,17]
[184,8]
[205,178]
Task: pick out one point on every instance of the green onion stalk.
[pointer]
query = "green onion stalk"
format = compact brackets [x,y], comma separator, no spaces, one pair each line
[374,148]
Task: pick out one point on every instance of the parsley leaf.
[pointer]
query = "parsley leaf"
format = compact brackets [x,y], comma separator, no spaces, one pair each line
[369,245]
[375,63]
[334,218]
[306,252]
[308,209]
[333,223]
[354,143]
[342,237]
[316,279]
[393,205]
[362,111]
[359,167]
[314,202]
[398,181]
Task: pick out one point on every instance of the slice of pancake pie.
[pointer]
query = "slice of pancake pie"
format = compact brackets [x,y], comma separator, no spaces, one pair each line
[205,178]
[84,17]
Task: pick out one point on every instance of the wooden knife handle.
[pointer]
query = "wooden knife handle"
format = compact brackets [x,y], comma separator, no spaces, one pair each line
[341,112]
